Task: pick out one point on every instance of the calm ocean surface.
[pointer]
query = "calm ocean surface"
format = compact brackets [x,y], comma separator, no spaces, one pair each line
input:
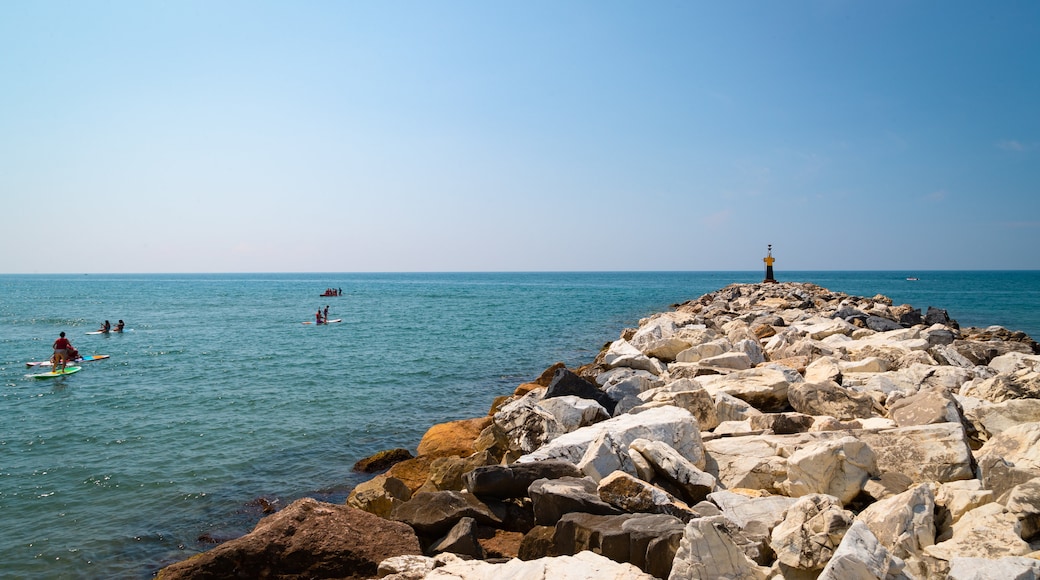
[220,396]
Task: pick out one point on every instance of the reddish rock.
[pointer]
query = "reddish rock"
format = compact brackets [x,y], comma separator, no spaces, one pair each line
[452,439]
[413,472]
[307,539]
[499,543]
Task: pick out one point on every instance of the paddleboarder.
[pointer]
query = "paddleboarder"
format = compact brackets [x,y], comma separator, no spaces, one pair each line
[62,346]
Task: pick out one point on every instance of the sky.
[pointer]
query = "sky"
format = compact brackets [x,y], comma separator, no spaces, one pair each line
[566,135]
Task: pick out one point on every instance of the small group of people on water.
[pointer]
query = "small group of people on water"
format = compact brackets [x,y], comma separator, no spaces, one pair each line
[333,292]
[107,327]
[322,316]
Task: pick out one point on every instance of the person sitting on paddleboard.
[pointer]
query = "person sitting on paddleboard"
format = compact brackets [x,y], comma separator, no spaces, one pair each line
[61,351]
[106,327]
[317,317]
[119,327]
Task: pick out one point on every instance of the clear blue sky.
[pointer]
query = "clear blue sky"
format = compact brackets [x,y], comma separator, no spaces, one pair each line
[340,136]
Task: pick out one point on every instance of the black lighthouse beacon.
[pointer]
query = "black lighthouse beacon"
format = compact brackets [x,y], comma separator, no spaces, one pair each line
[769,265]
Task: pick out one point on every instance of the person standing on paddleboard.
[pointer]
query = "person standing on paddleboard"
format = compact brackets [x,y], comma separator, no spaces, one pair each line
[61,352]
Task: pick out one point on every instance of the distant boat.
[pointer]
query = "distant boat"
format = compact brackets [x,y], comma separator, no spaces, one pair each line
[912,278]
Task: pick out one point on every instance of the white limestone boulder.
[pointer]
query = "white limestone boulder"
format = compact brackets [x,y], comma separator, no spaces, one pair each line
[938,452]
[686,394]
[764,388]
[621,353]
[860,556]
[1010,458]
[956,498]
[992,419]
[675,426]
[709,550]
[763,511]
[837,467]
[730,408]
[1012,362]
[745,462]
[584,565]
[989,531]
[677,470]
[905,525]
[697,352]
[1009,568]
[810,532]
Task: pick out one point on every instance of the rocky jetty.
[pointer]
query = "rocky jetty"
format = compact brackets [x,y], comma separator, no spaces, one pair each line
[760,431]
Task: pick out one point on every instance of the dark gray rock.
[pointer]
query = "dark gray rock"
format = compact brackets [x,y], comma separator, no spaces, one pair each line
[513,480]
[553,498]
[648,541]
[936,316]
[461,539]
[565,382]
[879,324]
[433,514]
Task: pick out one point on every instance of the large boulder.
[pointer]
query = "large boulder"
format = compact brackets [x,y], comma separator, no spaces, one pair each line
[433,514]
[764,388]
[710,549]
[905,525]
[647,541]
[927,406]
[553,498]
[307,539]
[379,495]
[938,452]
[565,382]
[452,439]
[1021,384]
[837,467]
[1010,458]
[674,426]
[513,480]
[682,474]
[831,399]
[988,531]
[860,556]
[810,532]
[621,353]
[633,495]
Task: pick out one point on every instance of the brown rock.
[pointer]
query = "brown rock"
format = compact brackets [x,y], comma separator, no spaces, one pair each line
[382,460]
[537,543]
[413,472]
[379,495]
[453,438]
[500,543]
[307,539]
[446,472]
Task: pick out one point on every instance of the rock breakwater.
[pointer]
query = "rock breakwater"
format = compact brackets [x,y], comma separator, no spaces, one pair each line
[759,431]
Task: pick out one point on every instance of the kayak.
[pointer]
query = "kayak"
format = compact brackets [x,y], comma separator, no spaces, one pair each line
[47,363]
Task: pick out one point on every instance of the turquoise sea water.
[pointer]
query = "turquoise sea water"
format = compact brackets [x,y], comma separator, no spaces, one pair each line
[220,396]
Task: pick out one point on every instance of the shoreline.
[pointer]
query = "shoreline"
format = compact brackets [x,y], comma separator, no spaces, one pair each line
[532,429]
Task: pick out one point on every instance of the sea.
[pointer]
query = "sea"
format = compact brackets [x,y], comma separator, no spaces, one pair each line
[218,401]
